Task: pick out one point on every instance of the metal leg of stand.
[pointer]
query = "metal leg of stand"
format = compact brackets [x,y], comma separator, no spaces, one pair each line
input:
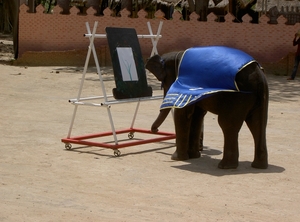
[112,125]
[154,40]
[103,90]
[72,122]
[83,76]
[135,114]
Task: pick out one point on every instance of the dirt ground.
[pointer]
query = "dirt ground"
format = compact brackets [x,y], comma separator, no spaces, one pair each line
[42,181]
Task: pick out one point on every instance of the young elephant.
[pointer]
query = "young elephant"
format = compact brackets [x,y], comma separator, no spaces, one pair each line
[221,80]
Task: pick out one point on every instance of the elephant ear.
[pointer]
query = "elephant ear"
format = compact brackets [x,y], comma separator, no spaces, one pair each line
[156,66]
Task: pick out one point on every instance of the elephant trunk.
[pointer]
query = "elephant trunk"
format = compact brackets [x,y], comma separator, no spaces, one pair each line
[159,120]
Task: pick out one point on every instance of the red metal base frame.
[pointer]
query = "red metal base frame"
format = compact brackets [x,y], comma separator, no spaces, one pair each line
[83,140]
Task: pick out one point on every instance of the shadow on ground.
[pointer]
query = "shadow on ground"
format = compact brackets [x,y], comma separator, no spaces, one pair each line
[98,151]
[208,164]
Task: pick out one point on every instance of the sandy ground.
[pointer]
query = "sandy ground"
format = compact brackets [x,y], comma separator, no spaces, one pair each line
[42,181]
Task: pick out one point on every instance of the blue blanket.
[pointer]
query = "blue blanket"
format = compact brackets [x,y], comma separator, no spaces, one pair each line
[203,71]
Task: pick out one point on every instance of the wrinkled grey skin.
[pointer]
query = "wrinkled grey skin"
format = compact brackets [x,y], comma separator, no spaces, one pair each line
[232,108]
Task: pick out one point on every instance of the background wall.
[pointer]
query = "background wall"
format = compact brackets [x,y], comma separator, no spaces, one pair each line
[61,36]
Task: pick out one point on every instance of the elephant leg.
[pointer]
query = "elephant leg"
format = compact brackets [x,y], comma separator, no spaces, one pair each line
[196,133]
[201,136]
[257,125]
[230,126]
[182,118]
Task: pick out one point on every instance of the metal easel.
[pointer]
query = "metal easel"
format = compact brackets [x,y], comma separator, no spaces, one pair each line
[108,101]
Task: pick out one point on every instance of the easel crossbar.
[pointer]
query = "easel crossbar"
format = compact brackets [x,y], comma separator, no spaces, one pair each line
[103,36]
[112,102]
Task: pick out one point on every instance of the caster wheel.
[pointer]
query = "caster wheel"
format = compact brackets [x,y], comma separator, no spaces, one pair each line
[68,146]
[130,135]
[117,153]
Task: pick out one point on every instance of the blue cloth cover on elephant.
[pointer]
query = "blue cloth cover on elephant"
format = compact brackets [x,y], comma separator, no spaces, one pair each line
[203,71]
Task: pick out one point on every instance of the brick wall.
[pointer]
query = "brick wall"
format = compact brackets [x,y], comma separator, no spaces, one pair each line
[57,32]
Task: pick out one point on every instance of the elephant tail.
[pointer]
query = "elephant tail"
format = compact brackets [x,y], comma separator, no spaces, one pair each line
[254,81]
[263,91]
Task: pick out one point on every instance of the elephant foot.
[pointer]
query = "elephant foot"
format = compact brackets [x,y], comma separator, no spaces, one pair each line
[194,154]
[201,147]
[177,156]
[228,164]
[190,155]
[260,164]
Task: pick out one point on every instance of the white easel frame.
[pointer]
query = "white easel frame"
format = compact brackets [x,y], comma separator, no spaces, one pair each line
[107,101]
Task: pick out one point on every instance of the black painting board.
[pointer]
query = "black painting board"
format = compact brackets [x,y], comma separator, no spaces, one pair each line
[128,64]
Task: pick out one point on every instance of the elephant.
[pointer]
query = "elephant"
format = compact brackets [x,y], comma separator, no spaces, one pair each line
[246,102]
